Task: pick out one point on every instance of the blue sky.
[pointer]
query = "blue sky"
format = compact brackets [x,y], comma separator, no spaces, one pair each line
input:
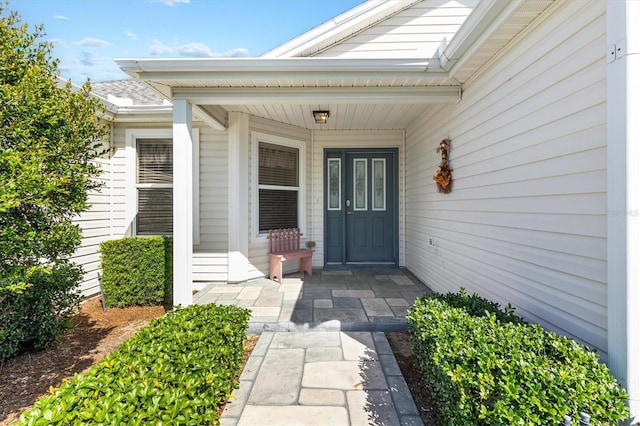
[88,34]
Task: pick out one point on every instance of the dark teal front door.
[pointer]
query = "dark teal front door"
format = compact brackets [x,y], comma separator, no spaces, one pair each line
[361,199]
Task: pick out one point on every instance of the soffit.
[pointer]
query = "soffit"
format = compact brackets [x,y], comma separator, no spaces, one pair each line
[343,116]
[497,39]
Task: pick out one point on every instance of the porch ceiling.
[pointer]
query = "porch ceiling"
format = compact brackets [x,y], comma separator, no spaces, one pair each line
[360,94]
[343,116]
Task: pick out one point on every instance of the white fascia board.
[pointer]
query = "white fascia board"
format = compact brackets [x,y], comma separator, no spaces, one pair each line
[146,109]
[314,95]
[146,113]
[162,113]
[188,68]
[481,23]
[358,18]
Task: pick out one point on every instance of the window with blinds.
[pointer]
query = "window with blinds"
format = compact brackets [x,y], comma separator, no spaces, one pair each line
[278,186]
[154,185]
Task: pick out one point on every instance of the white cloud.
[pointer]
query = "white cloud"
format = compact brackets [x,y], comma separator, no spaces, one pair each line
[158,48]
[92,42]
[171,2]
[58,42]
[233,53]
[236,53]
[65,18]
[131,35]
[195,50]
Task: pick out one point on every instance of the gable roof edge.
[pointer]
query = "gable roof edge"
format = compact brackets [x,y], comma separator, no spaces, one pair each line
[358,19]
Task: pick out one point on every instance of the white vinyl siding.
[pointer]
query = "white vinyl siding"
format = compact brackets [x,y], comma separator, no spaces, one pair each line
[416,32]
[95,224]
[526,221]
[210,256]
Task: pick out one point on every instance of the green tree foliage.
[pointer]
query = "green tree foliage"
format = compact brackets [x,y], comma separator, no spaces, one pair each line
[50,132]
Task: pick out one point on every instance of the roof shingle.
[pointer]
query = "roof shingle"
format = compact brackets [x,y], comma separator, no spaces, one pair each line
[135,90]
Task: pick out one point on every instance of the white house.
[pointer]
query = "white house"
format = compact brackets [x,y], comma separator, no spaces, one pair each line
[539,98]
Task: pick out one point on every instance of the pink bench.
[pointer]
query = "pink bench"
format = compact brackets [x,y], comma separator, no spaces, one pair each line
[284,244]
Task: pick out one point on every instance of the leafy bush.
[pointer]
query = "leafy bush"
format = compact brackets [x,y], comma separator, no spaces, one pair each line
[49,138]
[177,370]
[477,306]
[487,371]
[50,135]
[137,271]
[40,311]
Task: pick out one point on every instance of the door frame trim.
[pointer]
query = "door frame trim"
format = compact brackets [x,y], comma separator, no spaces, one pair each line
[395,179]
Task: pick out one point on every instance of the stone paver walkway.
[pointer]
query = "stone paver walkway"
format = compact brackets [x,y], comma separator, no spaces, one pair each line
[358,300]
[322,378]
[322,357]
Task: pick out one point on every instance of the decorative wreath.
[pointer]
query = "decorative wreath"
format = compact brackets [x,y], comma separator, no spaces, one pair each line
[443,178]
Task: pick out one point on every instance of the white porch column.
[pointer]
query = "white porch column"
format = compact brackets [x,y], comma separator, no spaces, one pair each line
[182,204]
[238,227]
[623,188]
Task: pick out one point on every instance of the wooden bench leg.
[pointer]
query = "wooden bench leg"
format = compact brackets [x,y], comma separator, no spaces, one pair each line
[275,268]
[305,266]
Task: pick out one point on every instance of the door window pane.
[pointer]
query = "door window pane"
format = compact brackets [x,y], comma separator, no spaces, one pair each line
[379,187]
[360,183]
[334,185]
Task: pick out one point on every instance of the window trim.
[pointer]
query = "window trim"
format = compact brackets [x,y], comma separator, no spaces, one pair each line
[256,138]
[131,161]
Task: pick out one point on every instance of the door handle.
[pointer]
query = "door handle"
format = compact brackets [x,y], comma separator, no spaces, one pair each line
[349,212]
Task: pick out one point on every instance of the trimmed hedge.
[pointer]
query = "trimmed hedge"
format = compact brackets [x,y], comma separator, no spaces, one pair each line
[178,370]
[486,366]
[137,271]
[35,316]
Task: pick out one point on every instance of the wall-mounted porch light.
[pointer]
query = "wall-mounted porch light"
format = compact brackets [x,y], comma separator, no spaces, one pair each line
[321,117]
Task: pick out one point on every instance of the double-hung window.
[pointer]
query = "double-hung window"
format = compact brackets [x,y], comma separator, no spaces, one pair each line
[154,187]
[149,182]
[279,183]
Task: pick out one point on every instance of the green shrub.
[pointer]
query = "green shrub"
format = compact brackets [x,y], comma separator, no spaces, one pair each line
[137,271]
[178,370]
[41,311]
[485,371]
[477,306]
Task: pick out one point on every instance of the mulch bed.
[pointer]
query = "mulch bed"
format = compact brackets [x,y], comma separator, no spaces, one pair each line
[95,334]
[402,347]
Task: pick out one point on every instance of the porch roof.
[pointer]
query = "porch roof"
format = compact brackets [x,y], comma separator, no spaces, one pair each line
[361,93]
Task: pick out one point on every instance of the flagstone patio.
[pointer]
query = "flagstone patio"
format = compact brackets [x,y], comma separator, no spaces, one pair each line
[352,300]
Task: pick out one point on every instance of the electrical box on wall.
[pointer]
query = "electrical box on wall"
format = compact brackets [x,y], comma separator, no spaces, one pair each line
[430,242]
